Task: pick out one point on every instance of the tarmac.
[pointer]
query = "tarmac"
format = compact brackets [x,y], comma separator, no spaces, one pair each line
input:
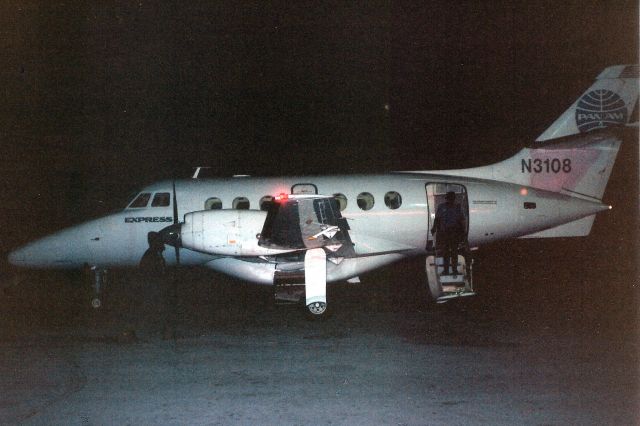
[543,343]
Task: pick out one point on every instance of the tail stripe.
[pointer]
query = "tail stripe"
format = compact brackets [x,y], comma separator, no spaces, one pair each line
[630,71]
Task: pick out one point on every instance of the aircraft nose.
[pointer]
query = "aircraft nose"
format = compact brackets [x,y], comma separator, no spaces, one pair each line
[59,251]
[30,255]
[17,257]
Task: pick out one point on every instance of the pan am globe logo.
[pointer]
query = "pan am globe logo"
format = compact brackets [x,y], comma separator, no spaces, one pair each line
[600,108]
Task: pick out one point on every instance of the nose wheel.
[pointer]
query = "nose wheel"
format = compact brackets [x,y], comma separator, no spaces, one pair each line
[98,280]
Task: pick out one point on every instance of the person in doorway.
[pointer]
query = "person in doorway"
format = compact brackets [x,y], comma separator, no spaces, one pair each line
[449,227]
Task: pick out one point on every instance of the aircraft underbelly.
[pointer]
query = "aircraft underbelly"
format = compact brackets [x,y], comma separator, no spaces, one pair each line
[263,272]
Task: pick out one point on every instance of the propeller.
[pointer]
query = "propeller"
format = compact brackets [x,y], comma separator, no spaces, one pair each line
[171,234]
[167,236]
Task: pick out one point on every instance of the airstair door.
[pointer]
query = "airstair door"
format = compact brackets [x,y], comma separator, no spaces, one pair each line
[444,287]
[456,280]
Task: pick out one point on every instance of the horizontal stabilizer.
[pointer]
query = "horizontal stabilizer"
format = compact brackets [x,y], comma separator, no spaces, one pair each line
[577,228]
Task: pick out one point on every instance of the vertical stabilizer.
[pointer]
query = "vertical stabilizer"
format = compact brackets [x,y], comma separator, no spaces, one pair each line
[612,100]
[578,166]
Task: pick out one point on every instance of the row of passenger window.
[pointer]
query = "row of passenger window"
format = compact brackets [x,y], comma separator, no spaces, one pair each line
[365,201]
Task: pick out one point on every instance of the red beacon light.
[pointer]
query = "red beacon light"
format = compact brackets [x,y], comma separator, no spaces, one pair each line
[282,197]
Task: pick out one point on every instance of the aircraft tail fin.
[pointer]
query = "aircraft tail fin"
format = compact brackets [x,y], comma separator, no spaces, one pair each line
[578,166]
[612,100]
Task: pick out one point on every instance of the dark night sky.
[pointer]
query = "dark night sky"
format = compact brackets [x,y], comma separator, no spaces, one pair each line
[98,101]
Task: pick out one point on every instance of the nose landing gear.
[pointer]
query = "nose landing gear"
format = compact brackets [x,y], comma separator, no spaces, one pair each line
[98,278]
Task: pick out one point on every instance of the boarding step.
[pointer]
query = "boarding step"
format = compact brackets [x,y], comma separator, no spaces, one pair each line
[457,279]
[444,287]
[453,288]
[453,295]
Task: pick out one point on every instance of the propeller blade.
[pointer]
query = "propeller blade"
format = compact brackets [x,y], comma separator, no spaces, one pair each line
[175,204]
[175,222]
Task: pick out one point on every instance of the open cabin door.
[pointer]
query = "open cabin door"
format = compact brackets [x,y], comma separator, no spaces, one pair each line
[458,281]
[436,193]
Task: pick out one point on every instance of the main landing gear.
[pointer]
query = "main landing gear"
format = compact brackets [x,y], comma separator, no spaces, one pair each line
[98,277]
[315,281]
[308,287]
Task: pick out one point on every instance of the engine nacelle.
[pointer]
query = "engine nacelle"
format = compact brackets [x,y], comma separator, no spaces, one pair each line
[225,232]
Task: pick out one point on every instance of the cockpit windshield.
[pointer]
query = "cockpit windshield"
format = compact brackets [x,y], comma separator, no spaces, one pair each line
[161,199]
[141,200]
[158,199]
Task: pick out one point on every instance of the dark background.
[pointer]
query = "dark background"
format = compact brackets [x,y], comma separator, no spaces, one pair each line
[99,100]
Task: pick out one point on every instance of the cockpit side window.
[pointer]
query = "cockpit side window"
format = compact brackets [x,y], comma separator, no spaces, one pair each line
[161,199]
[141,200]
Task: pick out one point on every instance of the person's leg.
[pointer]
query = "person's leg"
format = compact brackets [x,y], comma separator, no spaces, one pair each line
[454,254]
[446,248]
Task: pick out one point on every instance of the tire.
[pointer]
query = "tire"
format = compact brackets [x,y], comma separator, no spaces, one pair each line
[315,312]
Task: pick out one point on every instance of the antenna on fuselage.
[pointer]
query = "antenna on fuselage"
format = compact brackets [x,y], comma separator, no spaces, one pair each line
[197,171]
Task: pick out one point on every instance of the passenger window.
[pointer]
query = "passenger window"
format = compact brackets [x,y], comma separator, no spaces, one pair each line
[342,200]
[241,203]
[141,200]
[365,201]
[265,202]
[161,199]
[393,200]
[213,203]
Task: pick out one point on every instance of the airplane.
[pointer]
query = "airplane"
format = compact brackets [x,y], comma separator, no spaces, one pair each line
[299,233]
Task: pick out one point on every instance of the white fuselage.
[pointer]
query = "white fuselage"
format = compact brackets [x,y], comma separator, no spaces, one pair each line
[380,235]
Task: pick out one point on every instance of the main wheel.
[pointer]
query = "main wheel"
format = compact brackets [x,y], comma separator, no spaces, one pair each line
[317,308]
[96,303]
[317,311]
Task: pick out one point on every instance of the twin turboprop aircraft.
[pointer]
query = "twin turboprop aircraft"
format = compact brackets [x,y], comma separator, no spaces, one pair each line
[299,233]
